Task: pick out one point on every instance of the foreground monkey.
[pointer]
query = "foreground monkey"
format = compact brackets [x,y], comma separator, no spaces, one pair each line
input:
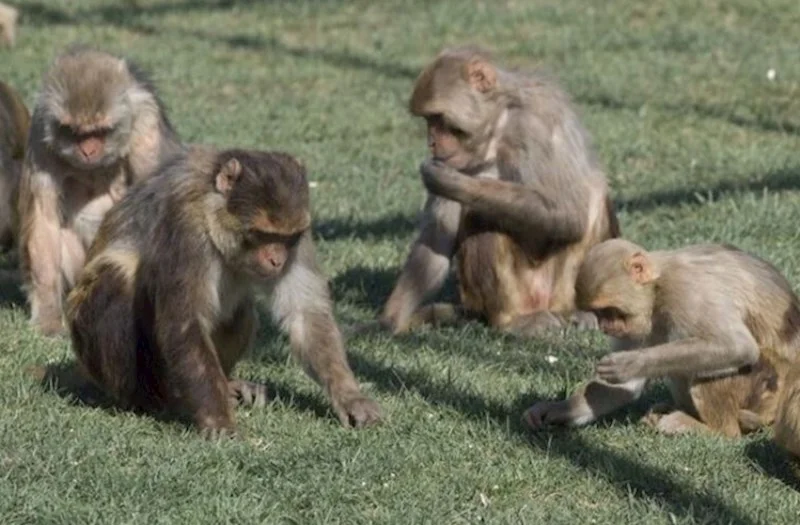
[515,193]
[8,25]
[98,127]
[720,324]
[15,120]
[164,308]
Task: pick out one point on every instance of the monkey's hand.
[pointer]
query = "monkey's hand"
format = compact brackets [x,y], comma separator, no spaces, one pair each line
[546,413]
[50,325]
[247,393]
[619,367]
[357,411]
[439,178]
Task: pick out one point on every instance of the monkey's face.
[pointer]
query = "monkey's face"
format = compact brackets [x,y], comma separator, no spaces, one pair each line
[89,146]
[448,143]
[623,310]
[265,256]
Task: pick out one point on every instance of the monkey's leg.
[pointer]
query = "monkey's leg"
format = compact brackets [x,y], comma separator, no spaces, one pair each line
[717,403]
[674,423]
[231,341]
[101,321]
[593,400]
[437,314]
[202,388]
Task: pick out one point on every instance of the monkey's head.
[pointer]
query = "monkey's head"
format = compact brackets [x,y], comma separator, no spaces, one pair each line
[89,100]
[267,205]
[616,281]
[458,96]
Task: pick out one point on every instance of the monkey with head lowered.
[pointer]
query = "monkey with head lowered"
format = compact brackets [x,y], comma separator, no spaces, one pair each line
[15,120]
[98,127]
[165,307]
[515,193]
[721,325]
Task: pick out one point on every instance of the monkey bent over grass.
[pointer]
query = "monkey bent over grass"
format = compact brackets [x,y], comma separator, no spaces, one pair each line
[165,305]
[721,325]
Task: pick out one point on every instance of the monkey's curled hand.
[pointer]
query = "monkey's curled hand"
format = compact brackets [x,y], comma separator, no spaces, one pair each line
[546,413]
[439,178]
[357,411]
[619,367]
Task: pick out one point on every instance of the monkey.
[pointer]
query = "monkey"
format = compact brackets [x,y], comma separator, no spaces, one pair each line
[98,127]
[720,324]
[787,421]
[514,192]
[15,120]
[8,25]
[165,305]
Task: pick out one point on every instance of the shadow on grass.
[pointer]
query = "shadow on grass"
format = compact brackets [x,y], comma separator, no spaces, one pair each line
[387,227]
[777,180]
[773,461]
[10,283]
[646,482]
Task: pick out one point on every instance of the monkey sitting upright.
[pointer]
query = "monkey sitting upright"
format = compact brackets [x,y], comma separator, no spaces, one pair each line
[164,307]
[722,326]
[98,127]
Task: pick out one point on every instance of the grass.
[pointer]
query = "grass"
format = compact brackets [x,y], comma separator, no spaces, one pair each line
[698,143]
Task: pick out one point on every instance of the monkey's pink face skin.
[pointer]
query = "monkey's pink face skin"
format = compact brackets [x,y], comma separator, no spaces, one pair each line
[267,261]
[445,143]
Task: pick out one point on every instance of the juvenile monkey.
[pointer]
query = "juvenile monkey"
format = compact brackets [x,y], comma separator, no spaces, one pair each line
[98,127]
[8,25]
[719,324]
[15,120]
[164,307]
[514,192]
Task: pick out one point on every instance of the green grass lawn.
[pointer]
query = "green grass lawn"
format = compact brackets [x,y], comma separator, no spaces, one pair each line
[698,143]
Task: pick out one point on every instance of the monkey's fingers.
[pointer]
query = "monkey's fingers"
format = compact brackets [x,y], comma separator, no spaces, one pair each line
[363,328]
[584,320]
[248,393]
[541,415]
[219,434]
[358,412]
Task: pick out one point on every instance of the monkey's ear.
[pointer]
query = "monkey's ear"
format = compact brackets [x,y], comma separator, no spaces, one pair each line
[227,175]
[640,268]
[481,76]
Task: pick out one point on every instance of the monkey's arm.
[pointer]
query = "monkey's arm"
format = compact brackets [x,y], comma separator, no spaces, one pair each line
[592,401]
[514,207]
[40,246]
[426,267]
[301,304]
[715,353]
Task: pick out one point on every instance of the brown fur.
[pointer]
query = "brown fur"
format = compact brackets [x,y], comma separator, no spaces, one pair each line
[8,25]
[165,306]
[720,324]
[64,196]
[15,121]
[518,200]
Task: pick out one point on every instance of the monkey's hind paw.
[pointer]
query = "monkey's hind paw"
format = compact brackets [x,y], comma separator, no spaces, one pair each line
[673,423]
[358,412]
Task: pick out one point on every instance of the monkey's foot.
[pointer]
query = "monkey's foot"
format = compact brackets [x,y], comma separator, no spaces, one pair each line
[436,314]
[533,324]
[50,326]
[673,423]
[358,411]
[584,320]
[247,393]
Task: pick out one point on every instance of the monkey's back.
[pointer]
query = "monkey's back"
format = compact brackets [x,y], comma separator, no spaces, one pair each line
[721,275]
